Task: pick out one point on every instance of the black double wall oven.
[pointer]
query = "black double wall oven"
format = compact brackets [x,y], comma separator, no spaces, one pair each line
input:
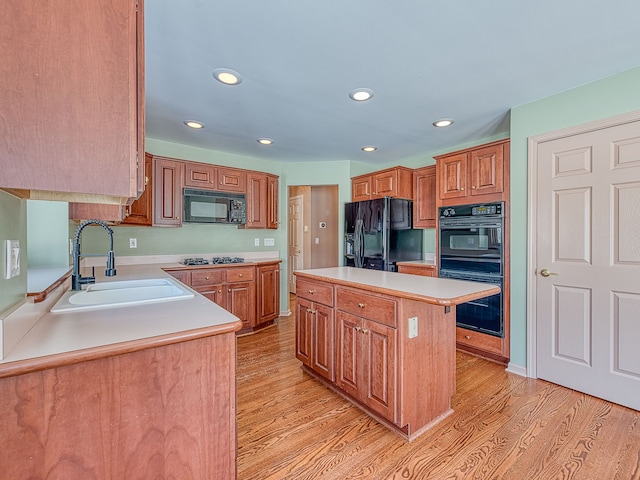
[471,247]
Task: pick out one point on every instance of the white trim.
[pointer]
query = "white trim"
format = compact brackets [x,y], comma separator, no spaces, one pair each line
[516,369]
[533,143]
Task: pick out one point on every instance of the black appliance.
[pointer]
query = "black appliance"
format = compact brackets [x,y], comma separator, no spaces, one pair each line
[471,247]
[379,233]
[205,206]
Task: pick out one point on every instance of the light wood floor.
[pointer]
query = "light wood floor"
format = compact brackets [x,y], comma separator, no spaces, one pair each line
[503,427]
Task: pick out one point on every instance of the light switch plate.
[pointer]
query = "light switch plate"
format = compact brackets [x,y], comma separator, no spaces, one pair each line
[12,258]
[413,327]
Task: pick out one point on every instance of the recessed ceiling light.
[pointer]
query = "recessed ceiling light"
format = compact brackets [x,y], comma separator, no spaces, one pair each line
[443,122]
[194,124]
[265,141]
[227,76]
[361,94]
[369,149]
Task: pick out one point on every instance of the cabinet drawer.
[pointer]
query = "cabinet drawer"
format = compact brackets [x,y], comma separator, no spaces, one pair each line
[374,307]
[478,340]
[423,270]
[316,292]
[240,274]
[206,277]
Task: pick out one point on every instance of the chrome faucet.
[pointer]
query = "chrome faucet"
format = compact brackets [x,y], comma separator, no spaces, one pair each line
[78,280]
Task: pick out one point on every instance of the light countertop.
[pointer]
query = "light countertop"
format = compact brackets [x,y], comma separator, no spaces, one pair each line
[56,337]
[438,291]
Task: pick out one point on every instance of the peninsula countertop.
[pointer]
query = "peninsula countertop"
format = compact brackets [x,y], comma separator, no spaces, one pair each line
[69,337]
[437,291]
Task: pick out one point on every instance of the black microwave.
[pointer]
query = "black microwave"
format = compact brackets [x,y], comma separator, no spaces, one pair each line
[204,206]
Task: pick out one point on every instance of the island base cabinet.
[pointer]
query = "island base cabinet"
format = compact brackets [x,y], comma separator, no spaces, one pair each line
[366,363]
[315,337]
[163,412]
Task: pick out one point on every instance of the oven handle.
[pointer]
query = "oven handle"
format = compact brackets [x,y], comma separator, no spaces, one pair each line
[459,226]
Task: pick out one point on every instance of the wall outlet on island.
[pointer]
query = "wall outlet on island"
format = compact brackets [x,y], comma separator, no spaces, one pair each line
[413,327]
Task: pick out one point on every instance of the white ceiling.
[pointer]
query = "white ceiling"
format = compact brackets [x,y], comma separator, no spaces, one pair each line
[466,59]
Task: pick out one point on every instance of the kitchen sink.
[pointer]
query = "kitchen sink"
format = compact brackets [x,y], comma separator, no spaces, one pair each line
[122,293]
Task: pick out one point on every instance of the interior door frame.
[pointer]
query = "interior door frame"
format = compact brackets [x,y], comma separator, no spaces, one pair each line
[532,211]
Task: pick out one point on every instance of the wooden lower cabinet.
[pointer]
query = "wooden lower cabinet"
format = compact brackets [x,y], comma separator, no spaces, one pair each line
[315,337]
[417,269]
[365,362]
[250,292]
[404,380]
[124,416]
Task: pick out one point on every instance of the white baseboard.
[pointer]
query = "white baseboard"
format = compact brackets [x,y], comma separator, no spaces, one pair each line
[516,369]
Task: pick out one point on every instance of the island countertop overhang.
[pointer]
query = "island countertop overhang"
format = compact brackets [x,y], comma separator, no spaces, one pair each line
[433,290]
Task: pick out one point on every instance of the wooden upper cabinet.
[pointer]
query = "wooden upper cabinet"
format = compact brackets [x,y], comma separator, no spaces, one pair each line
[141,211]
[232,180]
[394,182]
[167,192]
[73,100]
[200,175]
[256,200]
[272,202]
[424,201]
[480,172]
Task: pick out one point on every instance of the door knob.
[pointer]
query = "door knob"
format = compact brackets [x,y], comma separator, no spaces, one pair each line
[545,273]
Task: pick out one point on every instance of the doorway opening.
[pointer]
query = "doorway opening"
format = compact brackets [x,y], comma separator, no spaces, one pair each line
[312,229]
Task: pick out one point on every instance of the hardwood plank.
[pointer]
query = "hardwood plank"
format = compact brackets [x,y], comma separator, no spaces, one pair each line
[503,426]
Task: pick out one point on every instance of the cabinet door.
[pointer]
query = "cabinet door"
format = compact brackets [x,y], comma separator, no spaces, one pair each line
[361,188]
[424,205]
[141,211]
[453,176]
[167,192]
[241,302]
[232,180]
[272,202]
[486,167]
[379,368]
[72,101]
[385,185]
[215,293]
[183,276]
[322,348]
[256,200]
[200,175]
[349,369]
[268,293]
[304,317]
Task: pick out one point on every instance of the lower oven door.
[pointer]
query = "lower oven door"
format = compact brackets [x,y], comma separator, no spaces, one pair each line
[484,315]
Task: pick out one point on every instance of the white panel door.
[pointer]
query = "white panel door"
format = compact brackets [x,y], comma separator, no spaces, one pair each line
[295,243]
[588,263]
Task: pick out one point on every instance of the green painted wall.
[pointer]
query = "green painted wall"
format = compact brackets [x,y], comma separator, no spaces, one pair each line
[604,98]
[13,226]
[47,233]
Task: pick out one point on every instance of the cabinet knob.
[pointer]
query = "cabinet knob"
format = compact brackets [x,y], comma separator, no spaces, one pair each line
[177,218]
[220,291]
[462,189]
[312,292]
[220,183]
[239,274]
[357,329]
[365,331]
[229,290]
[361,305]
[468,337]
[473,187]
[207,277]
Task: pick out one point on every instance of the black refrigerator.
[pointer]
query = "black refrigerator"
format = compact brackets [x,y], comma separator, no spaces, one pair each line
[379,233]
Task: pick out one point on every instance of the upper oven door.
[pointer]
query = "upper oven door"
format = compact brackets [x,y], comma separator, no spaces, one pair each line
[473,246]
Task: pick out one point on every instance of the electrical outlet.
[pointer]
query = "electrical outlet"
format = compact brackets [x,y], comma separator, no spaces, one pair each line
[413,327]
[269,242]
[256,242]
[133,243]
[12,258]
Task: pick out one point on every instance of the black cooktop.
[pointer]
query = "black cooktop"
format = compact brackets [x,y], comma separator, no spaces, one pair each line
[214,260]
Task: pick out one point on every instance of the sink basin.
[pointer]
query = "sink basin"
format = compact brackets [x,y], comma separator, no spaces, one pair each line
[124,293]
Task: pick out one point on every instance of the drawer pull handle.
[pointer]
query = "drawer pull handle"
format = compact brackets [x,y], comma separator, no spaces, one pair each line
[468,337]
[365,331]
[312,292]
[361,305]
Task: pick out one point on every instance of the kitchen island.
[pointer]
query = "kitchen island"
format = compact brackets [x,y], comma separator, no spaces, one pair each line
[139,391]
[385,341]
